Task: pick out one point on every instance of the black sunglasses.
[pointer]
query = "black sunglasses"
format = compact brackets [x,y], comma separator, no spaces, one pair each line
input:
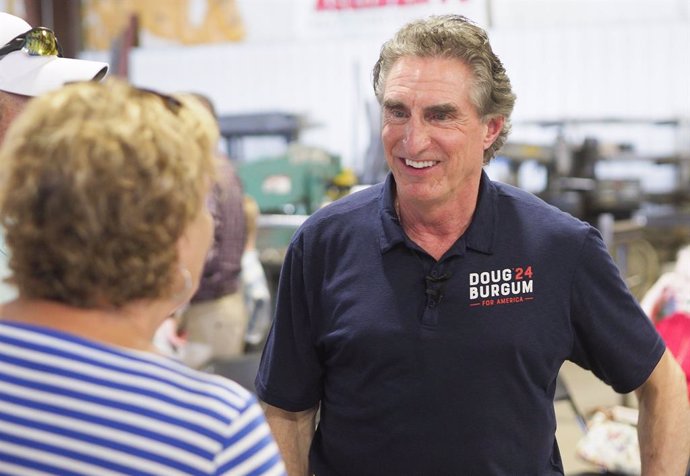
[171,102]
[38,41]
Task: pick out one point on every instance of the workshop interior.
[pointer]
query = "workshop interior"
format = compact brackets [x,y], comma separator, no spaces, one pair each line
[600,130]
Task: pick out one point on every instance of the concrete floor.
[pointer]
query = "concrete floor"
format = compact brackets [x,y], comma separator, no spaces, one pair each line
[589,393]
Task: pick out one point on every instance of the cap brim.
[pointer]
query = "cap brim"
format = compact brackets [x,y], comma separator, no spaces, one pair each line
[36,75]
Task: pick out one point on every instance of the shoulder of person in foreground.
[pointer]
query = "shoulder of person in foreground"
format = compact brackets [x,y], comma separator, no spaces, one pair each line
[248,446]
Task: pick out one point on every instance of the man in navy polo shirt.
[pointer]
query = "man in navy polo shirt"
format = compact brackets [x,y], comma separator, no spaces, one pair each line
[428,316]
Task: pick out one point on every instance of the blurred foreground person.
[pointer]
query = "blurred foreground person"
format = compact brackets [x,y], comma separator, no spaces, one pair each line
[31,64]
[104,207]
[428,316]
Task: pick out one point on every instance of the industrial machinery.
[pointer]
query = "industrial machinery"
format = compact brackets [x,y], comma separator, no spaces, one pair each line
[287,185]
[642,229]
[298,179]
[295,182]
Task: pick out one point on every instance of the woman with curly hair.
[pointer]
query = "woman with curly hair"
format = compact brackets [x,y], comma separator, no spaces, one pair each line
[104,207]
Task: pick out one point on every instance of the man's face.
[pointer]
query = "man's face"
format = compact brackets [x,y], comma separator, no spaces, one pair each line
[432,135]
[10,107]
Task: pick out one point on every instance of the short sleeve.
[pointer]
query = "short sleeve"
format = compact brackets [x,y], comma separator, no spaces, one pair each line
[290,373]
[612,335]
[249,447]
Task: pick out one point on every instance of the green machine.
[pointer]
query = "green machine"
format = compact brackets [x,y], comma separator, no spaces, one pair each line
[288,186]
[296,183]
[287,189]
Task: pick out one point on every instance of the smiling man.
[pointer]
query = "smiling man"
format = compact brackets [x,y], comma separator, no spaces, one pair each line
[427,317]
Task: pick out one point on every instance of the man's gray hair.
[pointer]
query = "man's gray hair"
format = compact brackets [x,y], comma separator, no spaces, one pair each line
[454,36]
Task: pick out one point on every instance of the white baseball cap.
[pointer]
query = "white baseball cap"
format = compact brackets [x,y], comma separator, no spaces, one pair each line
[21,73]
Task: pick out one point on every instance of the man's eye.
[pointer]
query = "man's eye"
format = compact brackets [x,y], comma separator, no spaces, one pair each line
[440,116]
[396,115]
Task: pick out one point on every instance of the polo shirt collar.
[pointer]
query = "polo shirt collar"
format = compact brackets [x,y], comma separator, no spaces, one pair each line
[479,236]
[391,232]
[482,231]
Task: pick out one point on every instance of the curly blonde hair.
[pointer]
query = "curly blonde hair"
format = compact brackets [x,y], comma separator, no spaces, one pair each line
[100,180]
[454,36]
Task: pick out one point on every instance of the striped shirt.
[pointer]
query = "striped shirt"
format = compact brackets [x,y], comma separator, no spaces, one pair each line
[71,406]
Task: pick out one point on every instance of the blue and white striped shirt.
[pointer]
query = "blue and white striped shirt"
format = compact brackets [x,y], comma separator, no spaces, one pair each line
[70,406]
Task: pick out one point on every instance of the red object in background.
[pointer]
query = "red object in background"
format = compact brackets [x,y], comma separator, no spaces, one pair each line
[675,330]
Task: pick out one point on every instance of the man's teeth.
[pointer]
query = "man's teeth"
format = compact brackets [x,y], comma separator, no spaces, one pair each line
[419,165]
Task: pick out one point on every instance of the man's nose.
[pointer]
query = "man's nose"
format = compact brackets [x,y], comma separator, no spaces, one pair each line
[416,138]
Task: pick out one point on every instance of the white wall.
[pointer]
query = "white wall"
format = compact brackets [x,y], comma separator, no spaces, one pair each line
[566,58]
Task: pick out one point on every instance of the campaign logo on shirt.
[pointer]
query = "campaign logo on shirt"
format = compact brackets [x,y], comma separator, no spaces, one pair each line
[501,286]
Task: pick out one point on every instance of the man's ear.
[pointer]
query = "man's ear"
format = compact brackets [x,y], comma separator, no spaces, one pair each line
[494,126]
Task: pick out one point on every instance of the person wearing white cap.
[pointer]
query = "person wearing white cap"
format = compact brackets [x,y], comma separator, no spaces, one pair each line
[31,64]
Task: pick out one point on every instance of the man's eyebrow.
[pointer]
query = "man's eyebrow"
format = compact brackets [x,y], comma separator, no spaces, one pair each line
[393,104]
[442,109]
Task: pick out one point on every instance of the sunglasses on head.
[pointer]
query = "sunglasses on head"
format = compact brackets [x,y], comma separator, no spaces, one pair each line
[38,41]
[171,102]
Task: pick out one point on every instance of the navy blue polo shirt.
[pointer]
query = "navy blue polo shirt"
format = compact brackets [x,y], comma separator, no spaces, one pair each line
[448,367]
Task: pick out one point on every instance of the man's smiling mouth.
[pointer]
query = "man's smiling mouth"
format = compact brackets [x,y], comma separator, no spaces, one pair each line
[420,164]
